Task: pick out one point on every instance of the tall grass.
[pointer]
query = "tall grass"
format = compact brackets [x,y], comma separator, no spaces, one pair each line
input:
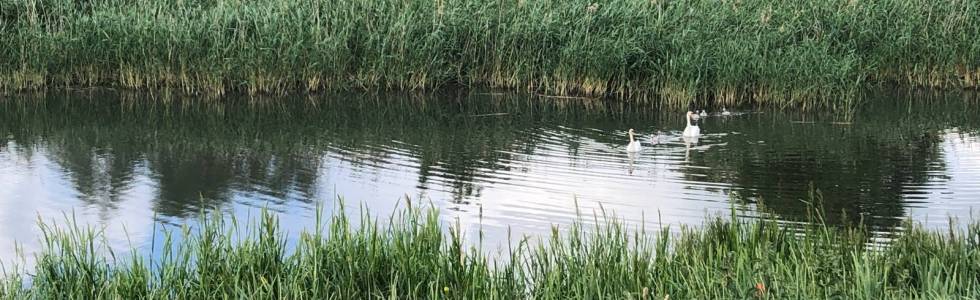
[724,52]
[410,257]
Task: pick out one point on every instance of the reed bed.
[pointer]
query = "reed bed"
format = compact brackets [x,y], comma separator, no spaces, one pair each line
[723,52]
[411,256]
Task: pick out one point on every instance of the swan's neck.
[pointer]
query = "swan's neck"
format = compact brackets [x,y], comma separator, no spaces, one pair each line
[688,118]
[631,137]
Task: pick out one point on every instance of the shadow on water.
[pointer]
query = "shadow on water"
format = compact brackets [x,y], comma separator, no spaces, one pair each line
[208,153]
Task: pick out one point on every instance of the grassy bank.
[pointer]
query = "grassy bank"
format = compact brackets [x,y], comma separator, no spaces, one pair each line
[413,258]
[786,53]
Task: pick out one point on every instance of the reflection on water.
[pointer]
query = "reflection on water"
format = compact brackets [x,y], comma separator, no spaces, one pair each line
[492,161]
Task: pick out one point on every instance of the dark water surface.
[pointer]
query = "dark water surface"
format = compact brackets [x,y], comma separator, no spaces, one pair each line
[133,164]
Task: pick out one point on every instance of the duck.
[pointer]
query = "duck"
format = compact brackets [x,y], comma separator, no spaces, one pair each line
[703,113]
[634,145]
[725,112]
[691,130]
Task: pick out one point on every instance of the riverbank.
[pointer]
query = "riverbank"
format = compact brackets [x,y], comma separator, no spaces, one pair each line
[412,257]
[724,52]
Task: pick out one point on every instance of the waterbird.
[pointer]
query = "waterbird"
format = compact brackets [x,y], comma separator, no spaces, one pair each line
[725,112]
[691,130]
[704,113]
[634,145]
[656,138]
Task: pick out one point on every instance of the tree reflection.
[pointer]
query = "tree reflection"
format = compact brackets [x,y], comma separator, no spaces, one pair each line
[863,168]
[204,153]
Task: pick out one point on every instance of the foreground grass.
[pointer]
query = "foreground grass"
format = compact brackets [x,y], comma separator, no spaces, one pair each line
[413,258]
[727,51]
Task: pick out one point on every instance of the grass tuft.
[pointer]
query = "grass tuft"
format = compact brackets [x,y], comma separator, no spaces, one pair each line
[724,52]
[410,256]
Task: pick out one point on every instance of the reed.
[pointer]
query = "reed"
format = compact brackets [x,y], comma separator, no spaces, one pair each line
[411,256]
[724,52]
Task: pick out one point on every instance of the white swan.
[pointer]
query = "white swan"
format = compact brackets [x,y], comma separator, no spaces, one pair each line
[725,112]
[691,130]
[634,145]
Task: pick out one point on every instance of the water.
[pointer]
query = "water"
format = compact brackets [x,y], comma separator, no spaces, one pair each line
[507,164]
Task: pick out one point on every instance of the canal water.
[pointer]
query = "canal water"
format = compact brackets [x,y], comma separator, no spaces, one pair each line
[134,165]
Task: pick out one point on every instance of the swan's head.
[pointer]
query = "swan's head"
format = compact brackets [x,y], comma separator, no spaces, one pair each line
[631,131]
[692,118]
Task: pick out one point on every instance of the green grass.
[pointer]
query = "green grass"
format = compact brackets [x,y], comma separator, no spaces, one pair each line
[410,256]
[799,53]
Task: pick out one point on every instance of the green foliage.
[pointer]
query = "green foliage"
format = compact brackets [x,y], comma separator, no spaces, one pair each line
[410,256]
[782,53]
